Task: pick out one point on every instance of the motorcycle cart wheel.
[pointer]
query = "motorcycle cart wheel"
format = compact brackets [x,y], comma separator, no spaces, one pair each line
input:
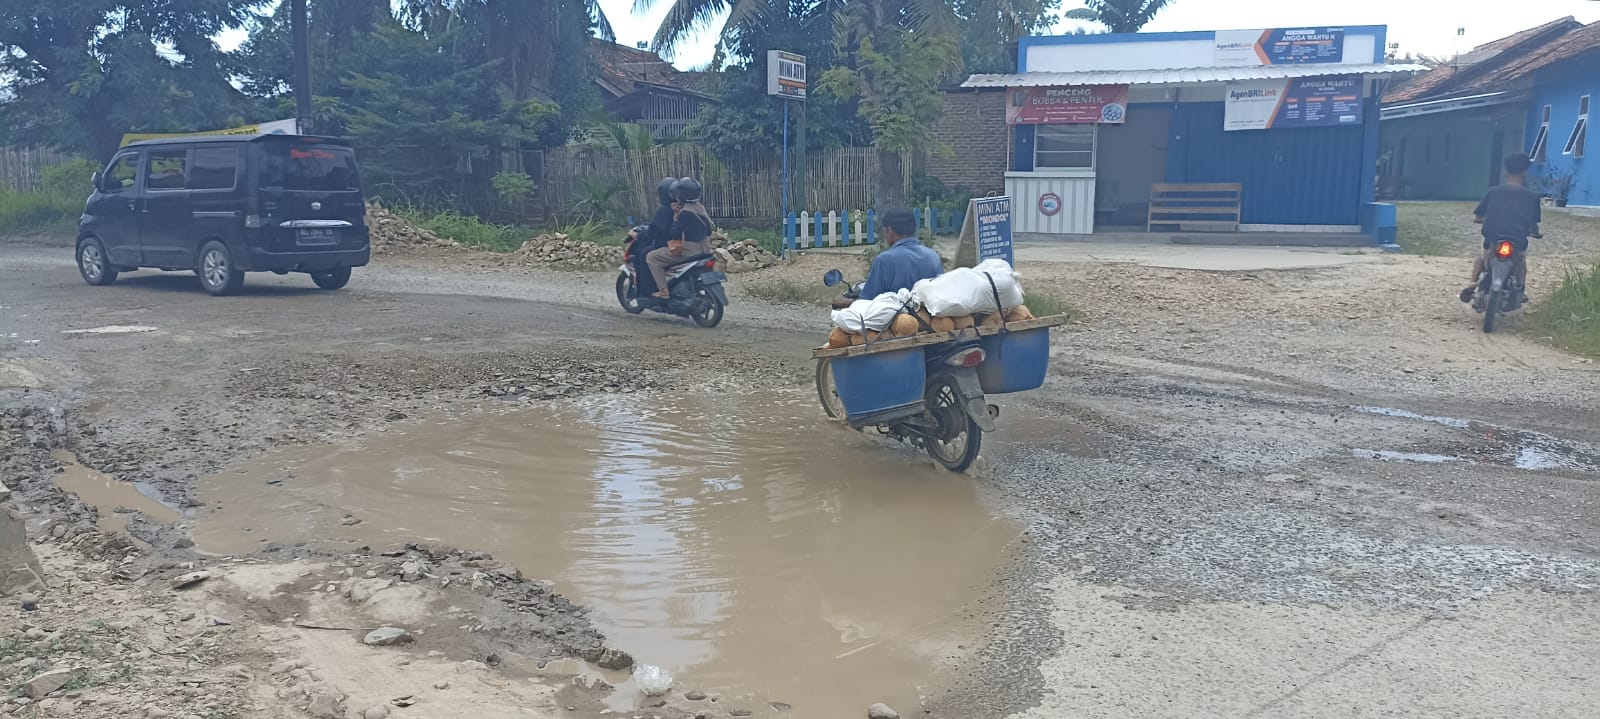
[962,437]
[1491,309]
[626,296]
[711,316]
[827,394]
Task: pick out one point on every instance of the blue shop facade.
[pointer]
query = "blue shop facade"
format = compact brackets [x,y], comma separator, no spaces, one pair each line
[1287,116]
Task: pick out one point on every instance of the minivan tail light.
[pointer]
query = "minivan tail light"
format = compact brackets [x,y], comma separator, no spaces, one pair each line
[252,221]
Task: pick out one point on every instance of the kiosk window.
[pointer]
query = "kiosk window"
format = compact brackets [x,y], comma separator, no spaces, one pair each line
[1064,146]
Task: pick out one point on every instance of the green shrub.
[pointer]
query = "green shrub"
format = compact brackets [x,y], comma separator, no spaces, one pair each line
[466,229]
[54,207]
[1571,316]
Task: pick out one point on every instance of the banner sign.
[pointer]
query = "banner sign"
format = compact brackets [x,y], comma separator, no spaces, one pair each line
[276,127]
[1304,102]
[1086,105]
[1293,46]
[786,75]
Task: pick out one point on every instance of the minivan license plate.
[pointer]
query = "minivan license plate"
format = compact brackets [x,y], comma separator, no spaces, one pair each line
[319,236]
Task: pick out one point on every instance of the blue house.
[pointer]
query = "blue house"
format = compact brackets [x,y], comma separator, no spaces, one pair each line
[1566,81]
[1275,130]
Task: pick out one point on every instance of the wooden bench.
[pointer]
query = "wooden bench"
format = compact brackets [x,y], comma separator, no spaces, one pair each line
[1211,207]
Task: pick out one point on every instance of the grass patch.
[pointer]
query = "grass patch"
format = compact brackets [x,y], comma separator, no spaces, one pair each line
[55,207]
[790,292]
[466,229]
[1571,316]
[1048,306]
[1446,229]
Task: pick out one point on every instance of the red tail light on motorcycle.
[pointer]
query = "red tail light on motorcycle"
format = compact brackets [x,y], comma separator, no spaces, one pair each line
[1505,250]
[711,264]
[967,358]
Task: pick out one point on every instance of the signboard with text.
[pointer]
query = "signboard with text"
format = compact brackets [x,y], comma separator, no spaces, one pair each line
[986,233]
[1304,102]
[1086,105]
[1292,46]
[786,75]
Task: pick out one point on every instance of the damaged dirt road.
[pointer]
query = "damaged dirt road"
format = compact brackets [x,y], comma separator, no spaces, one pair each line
[1305,493]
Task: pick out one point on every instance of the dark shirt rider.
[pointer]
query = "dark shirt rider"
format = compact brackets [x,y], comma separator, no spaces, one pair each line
[1508,212]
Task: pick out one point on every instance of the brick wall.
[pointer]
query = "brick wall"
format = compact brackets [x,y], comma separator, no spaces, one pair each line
[973,127]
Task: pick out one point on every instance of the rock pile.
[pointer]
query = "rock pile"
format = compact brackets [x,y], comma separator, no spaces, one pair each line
[557,250]
[392,235]
[741,256]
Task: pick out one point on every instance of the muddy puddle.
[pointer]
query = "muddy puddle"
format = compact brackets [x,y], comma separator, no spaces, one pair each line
[115,500]
[738,541]
[1486,443]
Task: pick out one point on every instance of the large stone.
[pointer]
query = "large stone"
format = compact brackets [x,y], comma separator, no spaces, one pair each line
[386,637]
[881,711]
[50,682]
[19,568]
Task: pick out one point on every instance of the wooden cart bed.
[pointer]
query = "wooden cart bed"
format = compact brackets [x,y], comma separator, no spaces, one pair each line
[934,338]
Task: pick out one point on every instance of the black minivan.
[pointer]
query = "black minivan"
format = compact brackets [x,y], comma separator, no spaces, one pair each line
[225,205]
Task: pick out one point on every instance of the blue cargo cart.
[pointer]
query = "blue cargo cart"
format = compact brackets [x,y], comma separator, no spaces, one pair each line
[930,390]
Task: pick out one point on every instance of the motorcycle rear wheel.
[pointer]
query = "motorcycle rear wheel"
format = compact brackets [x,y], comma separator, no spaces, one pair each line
[827,394]
[1491,309]
[711,316]
[960,450]
[626,296]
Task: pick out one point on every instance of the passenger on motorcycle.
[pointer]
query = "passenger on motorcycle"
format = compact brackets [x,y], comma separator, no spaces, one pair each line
[1508,212]
[690,234]
[655,236]
[904,263]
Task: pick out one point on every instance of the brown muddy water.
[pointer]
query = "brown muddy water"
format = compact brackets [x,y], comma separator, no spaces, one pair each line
[114,500]
[741,542]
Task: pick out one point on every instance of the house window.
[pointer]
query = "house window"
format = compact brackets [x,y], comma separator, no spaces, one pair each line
[1580,131]
[1539,141]
[1064,147]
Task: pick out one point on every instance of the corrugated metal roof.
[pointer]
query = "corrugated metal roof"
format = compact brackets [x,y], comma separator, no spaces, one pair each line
[1182,76]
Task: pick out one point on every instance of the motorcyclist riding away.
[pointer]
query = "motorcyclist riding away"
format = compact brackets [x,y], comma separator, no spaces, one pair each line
[690,234]
[1508,212]
[905,263]
[655,236]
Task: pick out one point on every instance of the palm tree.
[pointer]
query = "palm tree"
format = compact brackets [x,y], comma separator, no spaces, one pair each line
[1119,15]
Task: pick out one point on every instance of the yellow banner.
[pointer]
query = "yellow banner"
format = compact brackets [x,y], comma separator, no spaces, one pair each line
[276,127]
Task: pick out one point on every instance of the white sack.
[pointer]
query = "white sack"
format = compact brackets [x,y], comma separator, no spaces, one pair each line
[965,291]
[875,314]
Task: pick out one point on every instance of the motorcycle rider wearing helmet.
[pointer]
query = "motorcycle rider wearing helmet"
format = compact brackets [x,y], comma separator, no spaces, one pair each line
[690,235]
[655,236]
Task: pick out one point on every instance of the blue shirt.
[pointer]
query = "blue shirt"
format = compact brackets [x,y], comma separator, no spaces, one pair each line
[901,266]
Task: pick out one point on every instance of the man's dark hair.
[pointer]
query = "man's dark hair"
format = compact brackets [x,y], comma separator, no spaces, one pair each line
[1517,164]
[901,221]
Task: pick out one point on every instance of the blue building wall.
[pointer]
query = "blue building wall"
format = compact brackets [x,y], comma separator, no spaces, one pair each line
[1299,176]
[1561,91]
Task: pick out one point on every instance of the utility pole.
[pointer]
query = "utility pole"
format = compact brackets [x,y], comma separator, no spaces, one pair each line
[302,64]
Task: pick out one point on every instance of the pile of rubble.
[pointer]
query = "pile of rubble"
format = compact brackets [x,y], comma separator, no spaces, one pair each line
[741,256]
[557,250]
[393,235]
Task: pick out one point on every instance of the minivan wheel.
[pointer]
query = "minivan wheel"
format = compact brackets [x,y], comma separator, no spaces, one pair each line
[332,279]
[217,272]
[93,264]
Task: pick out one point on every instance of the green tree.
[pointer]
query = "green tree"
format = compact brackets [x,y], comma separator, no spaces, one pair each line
[745,118]
[1119,15]
[990,30]
[81,73]
[892,55]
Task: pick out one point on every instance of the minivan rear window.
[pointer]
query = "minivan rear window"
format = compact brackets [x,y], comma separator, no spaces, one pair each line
[309,166]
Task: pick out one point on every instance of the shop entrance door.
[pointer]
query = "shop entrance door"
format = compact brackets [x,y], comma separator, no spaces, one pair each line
[1132,156]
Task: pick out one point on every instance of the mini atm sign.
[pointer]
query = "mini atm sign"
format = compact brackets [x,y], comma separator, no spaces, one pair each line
[786,75]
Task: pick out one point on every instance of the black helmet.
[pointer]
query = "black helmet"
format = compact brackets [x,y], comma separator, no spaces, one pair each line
[664,190]
[686,190]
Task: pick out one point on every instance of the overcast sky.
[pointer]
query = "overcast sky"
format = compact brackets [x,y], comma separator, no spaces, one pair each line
[1420,26]
[1426,27]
